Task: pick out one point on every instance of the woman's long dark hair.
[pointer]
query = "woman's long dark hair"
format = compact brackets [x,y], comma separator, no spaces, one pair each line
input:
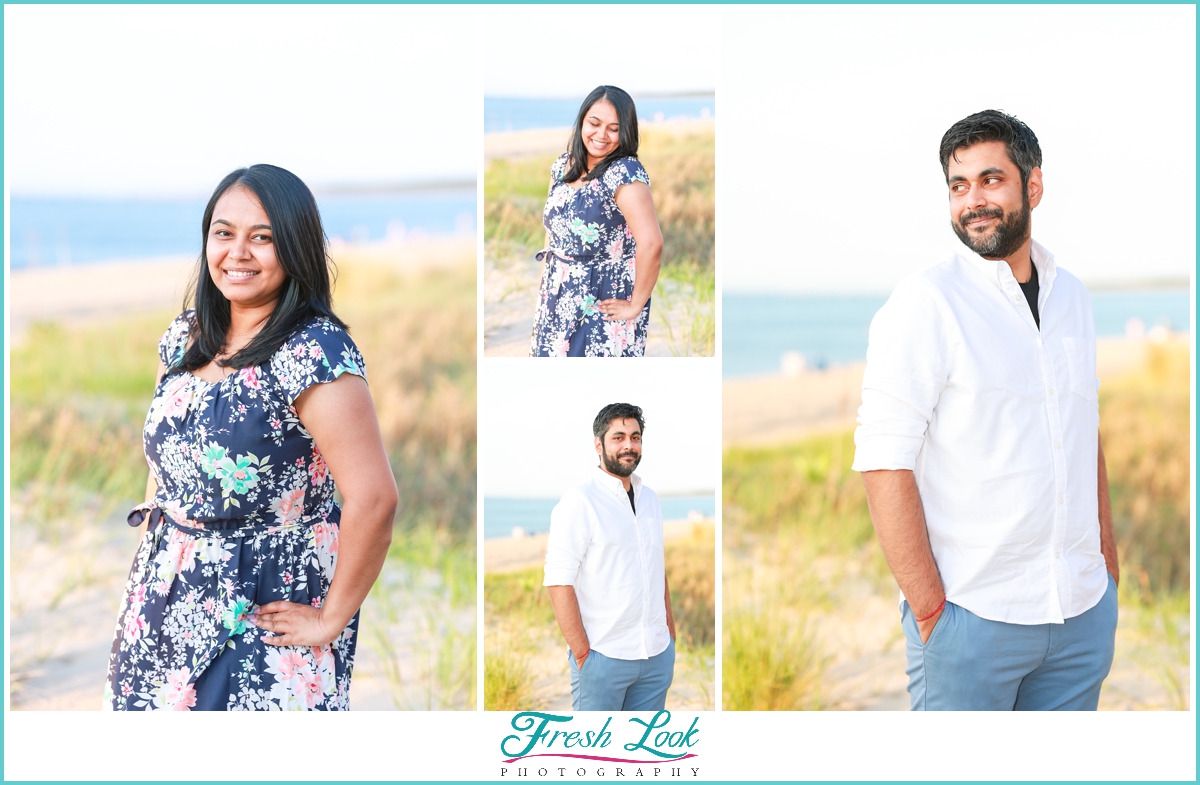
[300,248]
[627,134]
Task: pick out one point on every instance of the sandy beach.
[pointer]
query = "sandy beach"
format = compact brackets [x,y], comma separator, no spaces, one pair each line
[762,410]
[79,294]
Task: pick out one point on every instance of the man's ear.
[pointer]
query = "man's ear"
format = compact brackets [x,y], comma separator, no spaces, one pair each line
[598,444]
[1034,185]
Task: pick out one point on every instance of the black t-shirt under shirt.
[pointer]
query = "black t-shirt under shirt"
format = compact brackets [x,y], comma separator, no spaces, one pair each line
[1030,288]
[630,492]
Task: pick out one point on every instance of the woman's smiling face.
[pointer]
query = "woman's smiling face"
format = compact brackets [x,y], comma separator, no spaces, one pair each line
[241,250]
[601,131]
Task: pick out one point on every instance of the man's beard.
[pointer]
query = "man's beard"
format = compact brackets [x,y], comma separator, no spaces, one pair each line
[613,465]
[1003,241]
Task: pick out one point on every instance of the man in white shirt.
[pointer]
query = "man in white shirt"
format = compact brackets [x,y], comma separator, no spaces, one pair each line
[979,446]
[607,580]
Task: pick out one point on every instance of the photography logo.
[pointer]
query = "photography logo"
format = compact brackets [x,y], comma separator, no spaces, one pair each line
[548,745]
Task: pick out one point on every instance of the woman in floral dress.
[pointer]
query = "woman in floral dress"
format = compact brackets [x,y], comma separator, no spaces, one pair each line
[233,601]
[603,243]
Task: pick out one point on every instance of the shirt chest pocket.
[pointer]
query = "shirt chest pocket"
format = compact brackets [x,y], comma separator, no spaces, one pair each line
[1081,365]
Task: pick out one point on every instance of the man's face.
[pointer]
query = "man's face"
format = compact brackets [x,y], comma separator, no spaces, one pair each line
[989,208]
[621,448]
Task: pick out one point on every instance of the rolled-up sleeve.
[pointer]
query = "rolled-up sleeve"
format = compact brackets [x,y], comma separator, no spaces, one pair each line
[570,532]
[907,351]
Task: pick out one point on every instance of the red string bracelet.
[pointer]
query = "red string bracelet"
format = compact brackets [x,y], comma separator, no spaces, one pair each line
[941,605]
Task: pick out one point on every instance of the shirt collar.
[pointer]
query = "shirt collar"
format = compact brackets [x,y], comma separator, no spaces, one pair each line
[998,272]
[615,485]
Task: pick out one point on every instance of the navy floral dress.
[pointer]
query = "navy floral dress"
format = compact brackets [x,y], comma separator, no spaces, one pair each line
[590,259]
[244,515]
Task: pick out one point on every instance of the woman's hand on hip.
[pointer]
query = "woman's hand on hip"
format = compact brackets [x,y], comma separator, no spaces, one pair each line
[619,310]
[295,624]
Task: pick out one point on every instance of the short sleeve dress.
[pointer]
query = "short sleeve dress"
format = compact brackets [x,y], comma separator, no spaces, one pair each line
[244,515]
[590,258]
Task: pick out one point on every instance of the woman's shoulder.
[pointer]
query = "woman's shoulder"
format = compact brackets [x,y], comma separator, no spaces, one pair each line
[318,350]
[559,167]
[174,342]
[624,171]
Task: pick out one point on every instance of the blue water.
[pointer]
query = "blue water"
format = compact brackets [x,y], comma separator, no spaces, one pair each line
[533,515]
[757,329]
[518,114]
[79,231]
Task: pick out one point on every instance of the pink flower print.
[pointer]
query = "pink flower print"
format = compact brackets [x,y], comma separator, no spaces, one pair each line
[300,351]
[176,511]
[135,625]
[618,335]
[311,689]
[209,605]
[138,595]
[318,471]
[175,694]
[160,588]
[325,536]
[287,577]
[275,423]
[316,603]
[315,352]
[181,552]
[616,248]
[249,377]
[289,506]
[291,663]
[126,689]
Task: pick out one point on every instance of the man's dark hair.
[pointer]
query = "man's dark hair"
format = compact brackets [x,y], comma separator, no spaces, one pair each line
[616,411]
[993,126]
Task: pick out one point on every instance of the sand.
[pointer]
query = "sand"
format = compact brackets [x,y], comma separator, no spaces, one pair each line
[77,294]
[774,408]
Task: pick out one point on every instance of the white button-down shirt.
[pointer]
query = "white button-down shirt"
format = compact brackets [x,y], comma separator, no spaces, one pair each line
[614,559]
[998,421]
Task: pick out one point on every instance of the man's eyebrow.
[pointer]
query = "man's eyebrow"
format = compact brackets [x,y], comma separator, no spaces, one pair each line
[991,170]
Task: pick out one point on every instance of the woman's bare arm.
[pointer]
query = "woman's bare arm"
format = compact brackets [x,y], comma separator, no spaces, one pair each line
[341,419]
[637,205]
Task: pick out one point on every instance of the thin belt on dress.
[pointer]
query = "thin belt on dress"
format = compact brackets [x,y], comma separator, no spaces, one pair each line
[229,528]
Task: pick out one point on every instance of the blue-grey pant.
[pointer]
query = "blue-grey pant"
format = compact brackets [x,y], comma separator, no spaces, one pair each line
[608,684]
[975,664]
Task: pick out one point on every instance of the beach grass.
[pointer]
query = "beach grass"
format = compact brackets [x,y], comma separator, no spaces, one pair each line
[79,396]
[799,544]
[521,634]
[683,183]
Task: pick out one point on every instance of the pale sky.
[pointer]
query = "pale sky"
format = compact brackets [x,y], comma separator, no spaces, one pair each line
[157,100]
[564,51]
[827,166]
[535,417]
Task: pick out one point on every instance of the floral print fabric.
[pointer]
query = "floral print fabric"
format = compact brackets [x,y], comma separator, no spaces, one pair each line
[590,258]
[244,515]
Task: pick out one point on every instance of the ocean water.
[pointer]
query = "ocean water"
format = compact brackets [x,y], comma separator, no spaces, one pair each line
[500,515]
[47,232]
[519,114]
[758,329]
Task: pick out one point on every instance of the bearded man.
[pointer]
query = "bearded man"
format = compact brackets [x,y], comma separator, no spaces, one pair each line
[979,446]
[607,579]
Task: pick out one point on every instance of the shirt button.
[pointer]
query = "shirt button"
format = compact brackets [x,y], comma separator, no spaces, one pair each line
[1058,445]
[1052,391]
[1060,500]
[1057,555]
